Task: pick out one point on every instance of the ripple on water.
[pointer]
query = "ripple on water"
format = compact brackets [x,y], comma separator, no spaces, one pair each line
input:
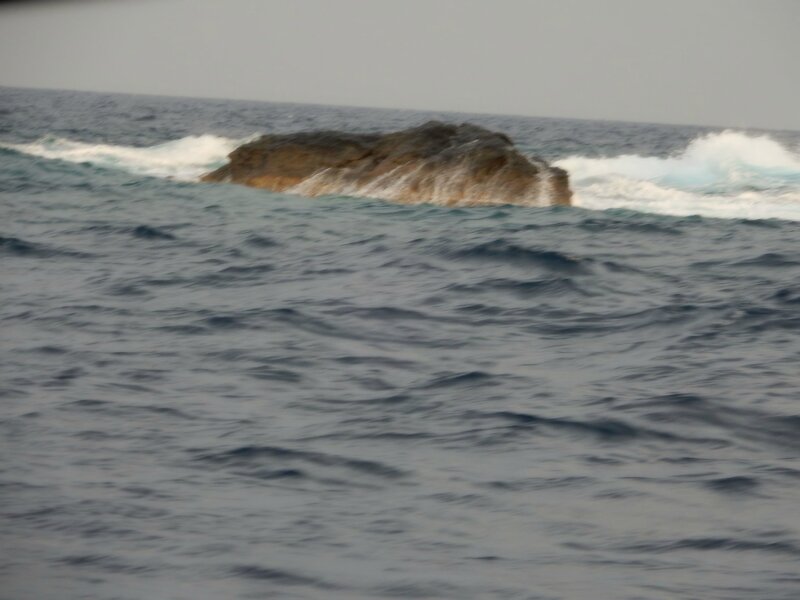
[148,232]
[16,247]
[252,460]
[508,253]
[230,393]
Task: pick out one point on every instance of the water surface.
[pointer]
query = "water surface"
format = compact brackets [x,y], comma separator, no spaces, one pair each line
[211,391]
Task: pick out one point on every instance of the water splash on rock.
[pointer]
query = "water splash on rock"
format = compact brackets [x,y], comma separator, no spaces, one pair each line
[438,163]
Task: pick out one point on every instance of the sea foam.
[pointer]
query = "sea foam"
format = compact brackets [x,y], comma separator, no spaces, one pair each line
[728,174]
[184,159]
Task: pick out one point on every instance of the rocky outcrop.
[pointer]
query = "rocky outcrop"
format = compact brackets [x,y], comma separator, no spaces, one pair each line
[451,165]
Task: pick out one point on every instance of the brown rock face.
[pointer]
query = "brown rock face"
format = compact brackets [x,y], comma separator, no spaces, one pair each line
[451,165]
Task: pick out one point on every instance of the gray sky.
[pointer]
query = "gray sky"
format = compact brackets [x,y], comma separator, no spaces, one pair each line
[715,62]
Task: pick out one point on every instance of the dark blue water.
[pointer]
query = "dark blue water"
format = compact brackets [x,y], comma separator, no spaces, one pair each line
[211,391]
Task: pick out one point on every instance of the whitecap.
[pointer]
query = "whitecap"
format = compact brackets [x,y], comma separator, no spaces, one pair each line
[728,174]
[184,159]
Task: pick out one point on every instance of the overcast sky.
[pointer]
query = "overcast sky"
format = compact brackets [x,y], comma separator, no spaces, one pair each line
[715,62]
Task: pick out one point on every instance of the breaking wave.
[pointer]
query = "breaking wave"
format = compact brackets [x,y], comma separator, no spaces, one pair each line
[185,159]
[727,174]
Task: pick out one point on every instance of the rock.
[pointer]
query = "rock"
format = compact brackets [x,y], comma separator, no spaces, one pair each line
[451,165]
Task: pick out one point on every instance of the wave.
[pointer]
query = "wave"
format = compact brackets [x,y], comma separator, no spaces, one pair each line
[184,159]
[728,174]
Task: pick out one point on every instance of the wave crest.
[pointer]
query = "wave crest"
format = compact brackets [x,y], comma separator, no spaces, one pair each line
[728,174]
[184,159]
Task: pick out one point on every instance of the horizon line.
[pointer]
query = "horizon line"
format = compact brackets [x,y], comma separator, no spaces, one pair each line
[402,109]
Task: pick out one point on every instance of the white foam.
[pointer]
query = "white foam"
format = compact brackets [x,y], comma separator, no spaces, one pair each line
[416,184]
[184,159]
[728,175]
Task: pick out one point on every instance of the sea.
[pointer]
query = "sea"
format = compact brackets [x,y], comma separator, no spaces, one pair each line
[209,391]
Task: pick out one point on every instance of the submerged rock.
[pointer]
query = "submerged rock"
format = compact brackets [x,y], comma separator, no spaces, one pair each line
[451,165]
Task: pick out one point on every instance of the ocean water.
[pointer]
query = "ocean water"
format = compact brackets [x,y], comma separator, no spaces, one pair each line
[211,391]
